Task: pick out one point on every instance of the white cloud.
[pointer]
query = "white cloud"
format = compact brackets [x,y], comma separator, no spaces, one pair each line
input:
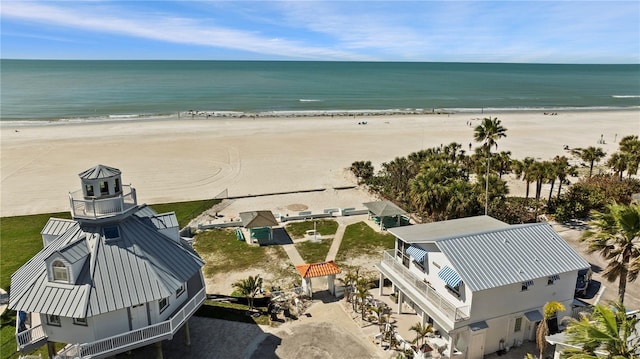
[167,28]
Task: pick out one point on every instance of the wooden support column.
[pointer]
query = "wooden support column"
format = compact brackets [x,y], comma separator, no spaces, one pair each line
[400,299]
[51,350]
[380,284]
[187,335]
[158,350]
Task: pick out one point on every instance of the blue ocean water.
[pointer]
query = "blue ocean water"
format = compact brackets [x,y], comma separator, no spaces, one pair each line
[60,89]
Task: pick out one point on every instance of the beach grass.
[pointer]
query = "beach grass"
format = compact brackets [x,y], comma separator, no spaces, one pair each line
[314,252]
[223,252]
[361,240]
[325,227]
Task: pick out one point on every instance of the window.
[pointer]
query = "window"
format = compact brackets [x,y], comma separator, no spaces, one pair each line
[179,291]
[111,233]
[552,279]
[518,326]
[53,320]
[163,304]
[60,272]
[117,185]
[454,290]
[80,321]
[89,189]
[104,188]
[526,285]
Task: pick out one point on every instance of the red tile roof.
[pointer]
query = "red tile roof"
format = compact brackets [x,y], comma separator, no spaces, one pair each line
[318,269]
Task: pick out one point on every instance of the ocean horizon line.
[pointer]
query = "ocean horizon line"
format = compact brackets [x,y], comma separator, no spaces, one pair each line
[336,61]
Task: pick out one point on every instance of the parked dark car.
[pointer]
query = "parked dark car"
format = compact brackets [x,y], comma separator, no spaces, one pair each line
[582,283]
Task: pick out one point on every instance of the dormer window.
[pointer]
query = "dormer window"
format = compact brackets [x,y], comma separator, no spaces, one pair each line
[117,185]
[89,190]
[60,271]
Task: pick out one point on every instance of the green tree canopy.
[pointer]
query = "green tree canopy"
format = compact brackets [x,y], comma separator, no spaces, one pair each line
[617,239]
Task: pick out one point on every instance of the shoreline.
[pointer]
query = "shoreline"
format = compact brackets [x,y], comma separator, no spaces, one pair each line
[297,114]
[174,160]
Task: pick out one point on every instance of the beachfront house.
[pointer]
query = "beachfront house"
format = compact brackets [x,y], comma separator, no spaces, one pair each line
[118,276]
[480,282]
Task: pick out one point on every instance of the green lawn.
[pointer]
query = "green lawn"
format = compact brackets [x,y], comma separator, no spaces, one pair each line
[313,252]
[360,239]
[326,227]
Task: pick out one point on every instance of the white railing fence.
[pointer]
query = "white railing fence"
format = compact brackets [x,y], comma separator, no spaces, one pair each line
[430,294]
[30,336]
[97,208]
[135,338]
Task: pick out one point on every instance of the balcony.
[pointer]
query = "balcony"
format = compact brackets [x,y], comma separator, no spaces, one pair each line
[419,291]
[31,338]
[111,346]
[98,208]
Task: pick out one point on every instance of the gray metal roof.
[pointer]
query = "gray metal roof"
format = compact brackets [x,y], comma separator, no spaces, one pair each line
[258,219]
[56,226]
[384,208]
[510,255]
[75,251]
[431,232]
[141,266]
[99,171]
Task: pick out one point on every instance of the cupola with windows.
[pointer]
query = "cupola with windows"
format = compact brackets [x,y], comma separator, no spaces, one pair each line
[102,194]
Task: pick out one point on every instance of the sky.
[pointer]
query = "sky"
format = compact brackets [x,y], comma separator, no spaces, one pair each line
[450,31]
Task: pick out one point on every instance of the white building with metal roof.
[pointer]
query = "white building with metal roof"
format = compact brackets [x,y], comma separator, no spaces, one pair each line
[480,282]
[114,278]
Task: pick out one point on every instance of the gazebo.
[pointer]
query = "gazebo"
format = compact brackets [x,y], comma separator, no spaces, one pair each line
[324,269]
[386,214]
[259,224]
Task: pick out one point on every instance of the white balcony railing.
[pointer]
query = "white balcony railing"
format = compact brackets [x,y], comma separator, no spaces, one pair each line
[397,271]
[30,338]
[135,338]
[82,207]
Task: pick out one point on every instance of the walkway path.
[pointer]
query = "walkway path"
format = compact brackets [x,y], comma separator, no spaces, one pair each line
[343,222]
[293,254]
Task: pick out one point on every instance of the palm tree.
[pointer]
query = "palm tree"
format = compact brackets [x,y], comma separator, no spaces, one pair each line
[362,292]
[618,162]
[249,288]
[488,133]
[504,162]
[549,311]
[590,154]
[523,170]
[349,280]
[363,170]
[382,313]
[565,170]
[630,147]
[608,330]
[421,332]
[618,241]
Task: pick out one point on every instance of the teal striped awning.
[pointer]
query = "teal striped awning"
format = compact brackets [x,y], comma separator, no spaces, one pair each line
[450,277]
[416,253]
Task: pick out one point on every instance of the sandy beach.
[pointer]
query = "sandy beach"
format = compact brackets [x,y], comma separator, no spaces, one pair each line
[197,158]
